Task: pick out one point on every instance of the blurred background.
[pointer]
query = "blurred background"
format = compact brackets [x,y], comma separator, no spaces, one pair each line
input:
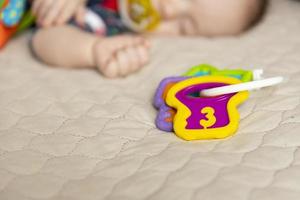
[73,134]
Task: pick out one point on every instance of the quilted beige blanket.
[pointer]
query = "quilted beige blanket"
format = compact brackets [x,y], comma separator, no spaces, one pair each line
[73,135]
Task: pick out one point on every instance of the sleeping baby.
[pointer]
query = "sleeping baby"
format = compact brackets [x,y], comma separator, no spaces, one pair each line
[109,35]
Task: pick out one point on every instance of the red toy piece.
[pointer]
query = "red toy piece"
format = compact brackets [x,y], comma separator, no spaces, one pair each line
[111,4]
[5,32]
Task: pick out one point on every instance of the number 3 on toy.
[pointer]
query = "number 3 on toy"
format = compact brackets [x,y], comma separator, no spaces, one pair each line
[198,117]
[209,113]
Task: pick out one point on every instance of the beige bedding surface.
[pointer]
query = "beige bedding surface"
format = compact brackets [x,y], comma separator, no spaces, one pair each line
[67,134]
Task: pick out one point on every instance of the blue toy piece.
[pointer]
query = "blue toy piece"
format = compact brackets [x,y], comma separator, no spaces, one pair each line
[13,12]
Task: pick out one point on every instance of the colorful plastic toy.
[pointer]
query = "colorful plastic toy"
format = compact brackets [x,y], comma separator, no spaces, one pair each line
[12,13]
[164,119]
[139,15]
[201,117]
[203,103]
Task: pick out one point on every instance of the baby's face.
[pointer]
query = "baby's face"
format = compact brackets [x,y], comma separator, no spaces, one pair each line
[205,17]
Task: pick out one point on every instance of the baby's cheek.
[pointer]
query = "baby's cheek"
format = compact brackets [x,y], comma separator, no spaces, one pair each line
[171,27]
[218,18]
[188,27]
[171,9]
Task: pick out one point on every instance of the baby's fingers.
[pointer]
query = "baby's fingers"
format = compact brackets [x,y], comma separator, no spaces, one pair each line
[40,9]
[80,15]
[35,6]
[66,13]
[51,16]
[143,55]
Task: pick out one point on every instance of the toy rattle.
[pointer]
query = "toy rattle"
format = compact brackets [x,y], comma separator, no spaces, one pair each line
[164,119]
[203,104]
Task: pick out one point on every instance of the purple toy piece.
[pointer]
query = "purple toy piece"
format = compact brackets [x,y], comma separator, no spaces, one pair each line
[196,104]
[164,119]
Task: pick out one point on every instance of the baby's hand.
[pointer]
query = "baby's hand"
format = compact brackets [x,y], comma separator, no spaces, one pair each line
[57,12]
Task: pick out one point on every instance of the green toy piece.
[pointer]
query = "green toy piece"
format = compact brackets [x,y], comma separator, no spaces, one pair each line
[2,3]
[27,21]
[206,69]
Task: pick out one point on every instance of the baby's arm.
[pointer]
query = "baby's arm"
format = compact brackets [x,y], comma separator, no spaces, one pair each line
[58,12]
[65,46]
[68,46]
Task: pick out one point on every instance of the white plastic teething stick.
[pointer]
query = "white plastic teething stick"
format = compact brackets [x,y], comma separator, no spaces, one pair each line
[94,21]
[257,74]
[241,87]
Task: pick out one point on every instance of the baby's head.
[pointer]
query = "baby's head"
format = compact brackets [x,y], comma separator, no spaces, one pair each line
[209,17]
